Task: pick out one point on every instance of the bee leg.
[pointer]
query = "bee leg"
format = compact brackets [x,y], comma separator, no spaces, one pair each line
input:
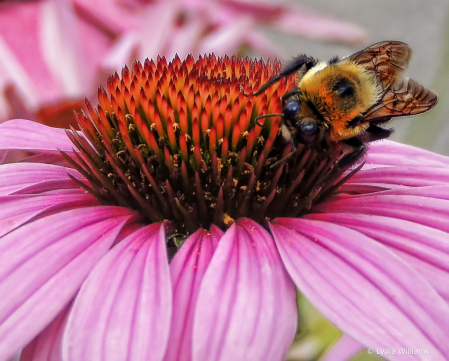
[351,158]
[289,69]
[346,160]
[375,133]
[287,138]
[291,93]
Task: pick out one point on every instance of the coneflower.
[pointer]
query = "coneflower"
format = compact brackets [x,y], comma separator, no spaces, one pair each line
[168,228]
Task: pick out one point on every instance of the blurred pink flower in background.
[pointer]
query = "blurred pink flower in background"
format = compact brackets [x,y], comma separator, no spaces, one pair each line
[55,53]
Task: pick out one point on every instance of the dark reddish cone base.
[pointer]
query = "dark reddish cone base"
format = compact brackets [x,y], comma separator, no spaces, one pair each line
[179,141]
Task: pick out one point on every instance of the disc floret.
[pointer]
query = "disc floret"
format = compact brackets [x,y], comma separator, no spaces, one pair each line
[179,141]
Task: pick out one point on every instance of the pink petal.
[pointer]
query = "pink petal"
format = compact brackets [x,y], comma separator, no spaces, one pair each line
[246,305]
[422,210]
[425,249]
[55,158]
[16,210]
[184,39]
[47,345]
[438,192]
[404,155]
[256,41]
[157,22]
[409,176]
[18,176]
[363,287]
[20,134]
[63,186]
[343,349]
[123,310]
[120,52]
[226,38]
[43,265]
[301,22]
[109,15]
[19,29]
[61,47]
[187,270]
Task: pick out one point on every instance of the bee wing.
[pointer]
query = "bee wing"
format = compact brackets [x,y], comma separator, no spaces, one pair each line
[405,97]
[387,60]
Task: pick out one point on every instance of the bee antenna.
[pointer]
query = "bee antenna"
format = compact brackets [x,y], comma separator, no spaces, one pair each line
[288,70]
[267,116]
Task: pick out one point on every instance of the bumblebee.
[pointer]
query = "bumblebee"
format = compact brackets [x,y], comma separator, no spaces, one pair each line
[346,99]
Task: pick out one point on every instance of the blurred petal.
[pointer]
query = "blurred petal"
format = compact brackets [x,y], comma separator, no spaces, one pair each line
[123,309]
[246,305]
[184,39]
[20,54]
[226,38]
[61,47]
[343,349]
[121,52]
[306,23]
[20,134]
[261,44]
[187,270]
[425,249]
[363,287]
[43,265]
[47,345]
[296,20]
[110,15]
[157,23]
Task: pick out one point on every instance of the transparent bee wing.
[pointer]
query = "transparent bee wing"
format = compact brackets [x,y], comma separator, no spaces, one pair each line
[387,60]
[405,97]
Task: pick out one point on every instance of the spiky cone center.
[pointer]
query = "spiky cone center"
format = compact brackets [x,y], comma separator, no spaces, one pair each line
[179,141]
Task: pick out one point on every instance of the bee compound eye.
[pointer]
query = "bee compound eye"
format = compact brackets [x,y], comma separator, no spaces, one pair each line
[291,109]
[308,126]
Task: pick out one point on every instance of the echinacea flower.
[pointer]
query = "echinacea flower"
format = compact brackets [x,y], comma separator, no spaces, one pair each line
[53,53]
[167,228]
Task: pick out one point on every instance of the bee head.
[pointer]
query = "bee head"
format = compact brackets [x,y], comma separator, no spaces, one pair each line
[300,121]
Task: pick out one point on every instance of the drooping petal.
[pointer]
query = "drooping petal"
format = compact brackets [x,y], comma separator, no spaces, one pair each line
[363,287]
[16,210]
[425,249]
[408,176]
[43,265]
[187,270]
[20,134]
[246,305]
[438,192]
[17,176]
[431,212]
[387,152]
[47,345]
[123,310]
